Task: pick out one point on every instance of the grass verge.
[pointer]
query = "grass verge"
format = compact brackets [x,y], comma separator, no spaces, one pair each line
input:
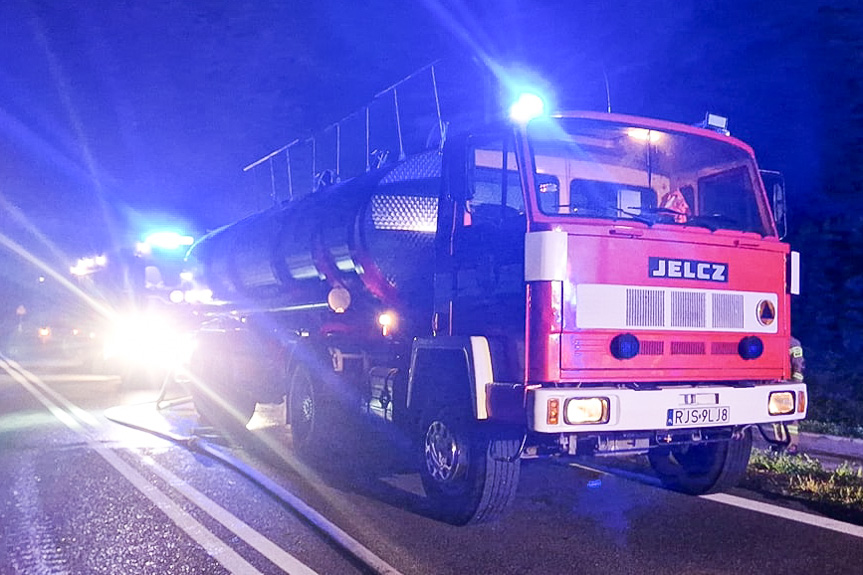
[837,493]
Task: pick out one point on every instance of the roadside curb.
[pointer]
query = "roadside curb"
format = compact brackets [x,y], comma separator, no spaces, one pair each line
[832,445]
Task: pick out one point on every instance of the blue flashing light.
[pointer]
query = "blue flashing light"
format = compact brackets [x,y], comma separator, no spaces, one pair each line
[625,346]
[168,240]
[527,107]
[750,347]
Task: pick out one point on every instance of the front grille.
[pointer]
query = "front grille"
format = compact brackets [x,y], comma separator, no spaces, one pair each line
[688,309]
[645,307]
[727,310]
[687,348]
[635,307]
[723,348]
[651,348]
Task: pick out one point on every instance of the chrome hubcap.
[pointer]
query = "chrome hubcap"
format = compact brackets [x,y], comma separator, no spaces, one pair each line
[445,457]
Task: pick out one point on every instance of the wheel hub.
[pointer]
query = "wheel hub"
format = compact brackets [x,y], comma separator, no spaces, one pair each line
[445,456]
[307,408]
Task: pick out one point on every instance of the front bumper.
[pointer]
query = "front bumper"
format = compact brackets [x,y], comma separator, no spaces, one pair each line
[664,408]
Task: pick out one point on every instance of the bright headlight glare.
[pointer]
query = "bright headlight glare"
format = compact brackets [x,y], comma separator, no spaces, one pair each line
[586,410]
[781,403]
[147,340]
[644,135]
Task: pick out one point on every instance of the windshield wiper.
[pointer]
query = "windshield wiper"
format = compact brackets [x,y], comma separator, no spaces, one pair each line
[609,212]
[632,216]
[713,221]
[659,211]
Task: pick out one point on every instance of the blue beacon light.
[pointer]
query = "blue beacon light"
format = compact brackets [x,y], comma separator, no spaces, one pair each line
[527,107]
[168,240]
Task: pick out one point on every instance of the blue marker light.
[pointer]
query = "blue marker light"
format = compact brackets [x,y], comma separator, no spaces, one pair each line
[526,108]
[168,240]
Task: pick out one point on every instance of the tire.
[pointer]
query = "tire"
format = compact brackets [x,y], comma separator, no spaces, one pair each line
[310,414]
[216,396]
[469,475]
[705,467]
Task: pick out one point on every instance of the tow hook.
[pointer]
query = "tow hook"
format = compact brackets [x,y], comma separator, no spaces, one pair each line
[739,432]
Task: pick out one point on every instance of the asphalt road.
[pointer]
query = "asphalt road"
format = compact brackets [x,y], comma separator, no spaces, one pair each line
[81,493]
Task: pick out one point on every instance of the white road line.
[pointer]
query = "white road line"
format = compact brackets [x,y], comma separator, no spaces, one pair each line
[260,543]
[225,555]
[785,513]
[743,503]
[84,416]
[215,547]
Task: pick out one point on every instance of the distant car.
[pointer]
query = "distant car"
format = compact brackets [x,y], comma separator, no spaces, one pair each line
[54,340]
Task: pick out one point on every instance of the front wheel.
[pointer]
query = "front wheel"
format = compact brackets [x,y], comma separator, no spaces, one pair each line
[470,475]
[703,467]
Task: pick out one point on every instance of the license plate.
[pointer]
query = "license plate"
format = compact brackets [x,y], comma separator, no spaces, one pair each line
[693,416]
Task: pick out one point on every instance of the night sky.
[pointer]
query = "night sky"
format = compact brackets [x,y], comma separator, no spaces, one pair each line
[149,109]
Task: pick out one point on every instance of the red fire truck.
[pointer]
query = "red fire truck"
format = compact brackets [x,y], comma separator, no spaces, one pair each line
[577,284]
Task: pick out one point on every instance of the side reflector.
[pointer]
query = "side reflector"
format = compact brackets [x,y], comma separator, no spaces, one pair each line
[781,403]
[794,283]
[553,412]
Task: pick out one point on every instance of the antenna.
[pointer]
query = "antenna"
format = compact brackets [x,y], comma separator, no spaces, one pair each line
[607,89]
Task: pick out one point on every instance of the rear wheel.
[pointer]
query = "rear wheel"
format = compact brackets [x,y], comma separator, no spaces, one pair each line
[311,413]
[469,475]
[218,399]
[703,467]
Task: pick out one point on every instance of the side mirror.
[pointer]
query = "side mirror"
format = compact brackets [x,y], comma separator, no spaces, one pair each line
[774,184]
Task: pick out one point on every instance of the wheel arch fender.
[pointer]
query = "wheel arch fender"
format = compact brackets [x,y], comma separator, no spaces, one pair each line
[454,368]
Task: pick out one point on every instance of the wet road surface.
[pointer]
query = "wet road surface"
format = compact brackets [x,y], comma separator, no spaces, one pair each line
[81,493]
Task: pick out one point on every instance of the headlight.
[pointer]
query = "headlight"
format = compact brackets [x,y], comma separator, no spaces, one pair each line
[586,410]
[781,403]
[147,340]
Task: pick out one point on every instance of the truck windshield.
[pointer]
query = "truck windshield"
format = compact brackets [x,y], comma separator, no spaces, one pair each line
[598,169]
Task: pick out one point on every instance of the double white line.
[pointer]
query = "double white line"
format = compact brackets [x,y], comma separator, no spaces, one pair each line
[83,423]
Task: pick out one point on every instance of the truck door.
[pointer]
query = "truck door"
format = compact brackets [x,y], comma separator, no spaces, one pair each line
[486,251]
